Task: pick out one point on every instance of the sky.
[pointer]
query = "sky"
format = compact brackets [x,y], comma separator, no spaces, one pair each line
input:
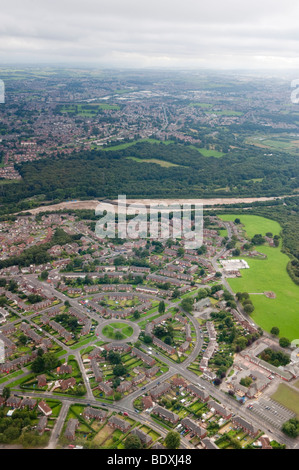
[214,34]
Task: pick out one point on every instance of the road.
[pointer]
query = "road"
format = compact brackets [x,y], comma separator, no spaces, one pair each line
[127,403]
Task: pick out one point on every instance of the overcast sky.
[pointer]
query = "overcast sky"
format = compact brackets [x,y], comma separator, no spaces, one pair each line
[151,33]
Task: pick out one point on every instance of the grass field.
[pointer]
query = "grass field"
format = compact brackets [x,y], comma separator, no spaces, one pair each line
[254,224]
[110,330]
[268,275]
[283,142]
[208,152]
[201,105]
[287,397]
[205,152]
[129,144]
[227,112]
[89,109]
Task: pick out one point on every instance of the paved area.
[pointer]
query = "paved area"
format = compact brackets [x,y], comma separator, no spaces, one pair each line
[272,412]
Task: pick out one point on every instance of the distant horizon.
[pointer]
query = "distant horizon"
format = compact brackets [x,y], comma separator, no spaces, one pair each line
[103,67]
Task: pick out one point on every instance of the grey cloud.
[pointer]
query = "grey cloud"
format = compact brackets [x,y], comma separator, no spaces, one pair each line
[142,33]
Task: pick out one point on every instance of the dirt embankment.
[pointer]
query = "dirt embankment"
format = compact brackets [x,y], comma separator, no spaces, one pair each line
[92,204]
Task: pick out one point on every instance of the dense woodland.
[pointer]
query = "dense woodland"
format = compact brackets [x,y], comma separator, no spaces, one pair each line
[104,174]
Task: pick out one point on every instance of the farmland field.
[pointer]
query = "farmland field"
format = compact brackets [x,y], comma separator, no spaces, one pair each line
[268,275]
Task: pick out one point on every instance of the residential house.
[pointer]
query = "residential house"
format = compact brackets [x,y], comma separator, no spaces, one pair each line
[71,427]
[194,428]
[44,408]
[165,414]
[118,423]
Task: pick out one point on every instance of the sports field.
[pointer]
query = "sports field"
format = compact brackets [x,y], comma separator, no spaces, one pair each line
[268,275]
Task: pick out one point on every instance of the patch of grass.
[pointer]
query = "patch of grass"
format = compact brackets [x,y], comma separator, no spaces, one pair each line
[287,397]
[208,152]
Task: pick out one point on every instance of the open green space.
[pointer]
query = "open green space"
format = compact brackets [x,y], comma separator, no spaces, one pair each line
[117,331]
[282,142]
[287,397]
[254,224]
[129,144]
[208,152]
[88,109]
[268,275]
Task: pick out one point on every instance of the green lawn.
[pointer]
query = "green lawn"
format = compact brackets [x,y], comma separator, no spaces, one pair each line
[110,330]
[287,397]
[254,224]
[269,275]
[207,152]
[129,144]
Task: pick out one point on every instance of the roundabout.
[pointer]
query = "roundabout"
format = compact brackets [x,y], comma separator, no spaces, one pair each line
[118,330]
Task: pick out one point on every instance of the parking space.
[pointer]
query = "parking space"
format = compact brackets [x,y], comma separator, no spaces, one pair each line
[272,412]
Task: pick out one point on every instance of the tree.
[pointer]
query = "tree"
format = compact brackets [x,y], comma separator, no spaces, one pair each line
[291,427]
[118,335]
[246,381]
[172,440]
[147,339]
[136,315]
[114,357]
[45,362]
[284,342]
[133,442]
[44,275]
[38,365]
[6,393]
[119,370]
[176,293]
[187,304]
[248,308]
[258,239]
[274,331]
[23,339]
[116,383]
[161,308]
[159,331]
